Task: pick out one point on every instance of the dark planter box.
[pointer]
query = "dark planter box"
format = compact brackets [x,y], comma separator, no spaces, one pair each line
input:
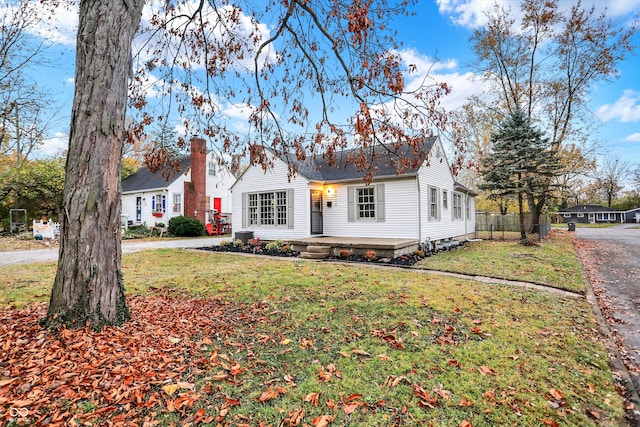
[245,236]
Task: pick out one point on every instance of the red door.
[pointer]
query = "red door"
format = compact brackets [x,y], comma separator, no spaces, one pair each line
[217,204]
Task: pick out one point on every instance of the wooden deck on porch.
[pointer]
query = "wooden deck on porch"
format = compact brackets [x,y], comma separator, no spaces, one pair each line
[331,246]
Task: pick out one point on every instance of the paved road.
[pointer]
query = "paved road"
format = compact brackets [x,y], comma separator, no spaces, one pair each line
[615,257]
[45,255]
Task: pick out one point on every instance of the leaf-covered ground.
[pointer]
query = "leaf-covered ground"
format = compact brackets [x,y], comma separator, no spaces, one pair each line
[228,340]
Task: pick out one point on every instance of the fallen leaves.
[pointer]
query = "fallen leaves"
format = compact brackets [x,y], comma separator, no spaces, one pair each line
[271,393]
[123,371]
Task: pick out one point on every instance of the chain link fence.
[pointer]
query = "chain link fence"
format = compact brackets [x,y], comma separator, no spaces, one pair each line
[507,227]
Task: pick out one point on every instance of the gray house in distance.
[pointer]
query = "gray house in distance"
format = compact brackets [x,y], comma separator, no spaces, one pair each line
[632,215]
[592,214]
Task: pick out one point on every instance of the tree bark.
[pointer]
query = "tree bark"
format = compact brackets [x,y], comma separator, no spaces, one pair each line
[88,284]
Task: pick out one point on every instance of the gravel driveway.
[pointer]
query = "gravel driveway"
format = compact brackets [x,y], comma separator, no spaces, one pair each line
[45,255]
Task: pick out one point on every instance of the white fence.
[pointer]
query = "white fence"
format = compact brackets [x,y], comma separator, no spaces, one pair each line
[48,230]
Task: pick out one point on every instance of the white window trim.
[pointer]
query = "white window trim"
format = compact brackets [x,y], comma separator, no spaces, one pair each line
[281,209]
[435,204]
[457,207]
[177,206]
[353,211]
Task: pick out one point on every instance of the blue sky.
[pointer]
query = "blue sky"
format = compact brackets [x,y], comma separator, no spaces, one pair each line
[440,29]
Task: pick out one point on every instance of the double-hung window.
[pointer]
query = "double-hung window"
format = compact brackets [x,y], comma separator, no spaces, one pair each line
[366,203]
[434,207]
[177,202]
[212,168]
[268,208]
[366,206]
[457,206]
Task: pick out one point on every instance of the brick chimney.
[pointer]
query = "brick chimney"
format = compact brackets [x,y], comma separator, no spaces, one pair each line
[195,199]
[256,154]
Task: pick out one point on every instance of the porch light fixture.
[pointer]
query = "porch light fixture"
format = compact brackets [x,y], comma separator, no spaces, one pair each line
[331,192]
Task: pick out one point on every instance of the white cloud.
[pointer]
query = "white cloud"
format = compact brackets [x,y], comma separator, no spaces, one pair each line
[634,137]
[471,13]
[54,146]
[59,27]
[626,109]
[235,29]
[462,86]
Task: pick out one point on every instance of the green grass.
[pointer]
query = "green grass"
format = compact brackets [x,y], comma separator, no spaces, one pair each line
[586,225]
[381,334]
[553,262]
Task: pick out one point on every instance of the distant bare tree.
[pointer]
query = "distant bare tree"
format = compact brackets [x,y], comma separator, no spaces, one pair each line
[24,109]
[611,177]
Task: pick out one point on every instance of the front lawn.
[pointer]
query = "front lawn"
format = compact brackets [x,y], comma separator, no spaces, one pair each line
[553,262]
[238,340]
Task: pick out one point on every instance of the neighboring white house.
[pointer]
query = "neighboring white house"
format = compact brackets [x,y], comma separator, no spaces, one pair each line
[149,198]
[423,203]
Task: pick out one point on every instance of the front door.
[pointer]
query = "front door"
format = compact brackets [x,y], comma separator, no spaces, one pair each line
[592,218]
[316,211]
[138,209]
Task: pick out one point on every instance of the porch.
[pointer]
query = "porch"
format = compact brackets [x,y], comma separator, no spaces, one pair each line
[325,246]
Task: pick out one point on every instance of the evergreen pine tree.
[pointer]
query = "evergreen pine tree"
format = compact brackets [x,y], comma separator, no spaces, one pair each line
[521,164]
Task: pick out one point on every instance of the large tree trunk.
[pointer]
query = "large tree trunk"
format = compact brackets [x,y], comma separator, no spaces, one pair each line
[88,284]
[523,232]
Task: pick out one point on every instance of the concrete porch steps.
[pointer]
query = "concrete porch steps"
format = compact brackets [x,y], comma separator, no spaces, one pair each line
[316,252]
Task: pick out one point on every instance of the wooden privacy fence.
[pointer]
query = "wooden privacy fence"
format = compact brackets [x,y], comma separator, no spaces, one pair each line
[497,226]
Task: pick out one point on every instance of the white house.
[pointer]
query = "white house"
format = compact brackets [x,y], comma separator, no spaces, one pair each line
[423,203]
[199,187]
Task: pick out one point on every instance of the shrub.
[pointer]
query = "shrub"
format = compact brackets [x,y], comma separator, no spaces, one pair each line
[273,245]
[184,226]
[285,249]
[237,243]
[254,242]
[370,255]
[344,253]
[226,243]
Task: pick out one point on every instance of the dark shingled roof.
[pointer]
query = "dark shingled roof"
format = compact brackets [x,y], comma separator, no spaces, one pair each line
[589,208]
[144,179]
[385,162]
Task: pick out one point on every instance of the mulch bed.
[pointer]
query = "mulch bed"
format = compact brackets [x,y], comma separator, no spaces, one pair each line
[404,260]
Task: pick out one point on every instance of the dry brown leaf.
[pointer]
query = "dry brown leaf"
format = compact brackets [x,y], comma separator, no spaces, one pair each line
[312,398]
[322,421]
[485,370]
[557,394]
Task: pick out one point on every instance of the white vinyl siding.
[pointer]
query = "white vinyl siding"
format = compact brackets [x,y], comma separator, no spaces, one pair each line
[438,175]
[296,191]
